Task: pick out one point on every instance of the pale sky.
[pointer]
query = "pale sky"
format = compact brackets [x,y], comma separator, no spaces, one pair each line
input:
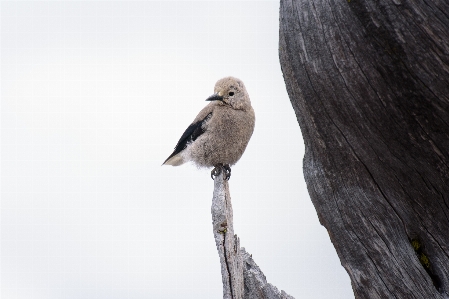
[94,97]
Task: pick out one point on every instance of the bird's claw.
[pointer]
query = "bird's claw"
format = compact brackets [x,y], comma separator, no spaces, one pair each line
[227,172]
[218,169]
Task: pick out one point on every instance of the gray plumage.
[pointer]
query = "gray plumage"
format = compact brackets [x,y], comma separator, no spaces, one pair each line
[221,131]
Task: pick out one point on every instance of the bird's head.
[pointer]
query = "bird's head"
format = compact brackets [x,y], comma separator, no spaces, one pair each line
[231,91]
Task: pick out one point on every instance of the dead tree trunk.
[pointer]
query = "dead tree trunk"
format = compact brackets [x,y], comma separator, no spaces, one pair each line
[242,278]
[369,82]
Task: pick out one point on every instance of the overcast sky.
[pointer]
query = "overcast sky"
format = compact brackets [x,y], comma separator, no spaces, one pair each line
[94,97]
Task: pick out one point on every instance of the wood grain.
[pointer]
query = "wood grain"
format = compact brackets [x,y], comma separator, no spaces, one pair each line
[241,277]
[369,83]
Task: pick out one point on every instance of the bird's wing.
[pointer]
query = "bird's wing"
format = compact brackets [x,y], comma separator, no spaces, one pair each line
[190,134]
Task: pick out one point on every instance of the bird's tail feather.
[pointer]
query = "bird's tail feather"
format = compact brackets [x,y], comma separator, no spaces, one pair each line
[176,160]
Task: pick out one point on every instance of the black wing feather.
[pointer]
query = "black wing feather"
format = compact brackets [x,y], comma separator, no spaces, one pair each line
[190,134]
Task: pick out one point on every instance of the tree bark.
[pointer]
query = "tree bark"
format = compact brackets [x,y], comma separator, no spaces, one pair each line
[241,277]
[369,83]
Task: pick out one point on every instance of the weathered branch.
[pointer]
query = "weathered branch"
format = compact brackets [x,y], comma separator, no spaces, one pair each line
[227,243]
[242,278]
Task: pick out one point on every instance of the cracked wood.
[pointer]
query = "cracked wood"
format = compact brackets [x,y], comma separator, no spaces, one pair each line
[241,277]
[369,83]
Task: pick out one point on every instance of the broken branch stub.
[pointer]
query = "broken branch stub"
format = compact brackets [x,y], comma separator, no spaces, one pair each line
[227,243]
[241,277]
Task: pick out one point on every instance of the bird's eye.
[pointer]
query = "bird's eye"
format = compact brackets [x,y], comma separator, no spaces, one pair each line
[231,93]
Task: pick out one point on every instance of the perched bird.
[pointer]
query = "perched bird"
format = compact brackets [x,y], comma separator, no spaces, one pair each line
[219,134]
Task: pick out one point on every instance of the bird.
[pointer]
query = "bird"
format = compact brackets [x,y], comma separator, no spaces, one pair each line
[220,132]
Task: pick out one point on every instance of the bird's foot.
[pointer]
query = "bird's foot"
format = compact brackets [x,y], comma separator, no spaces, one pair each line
[227,172]
[216,171]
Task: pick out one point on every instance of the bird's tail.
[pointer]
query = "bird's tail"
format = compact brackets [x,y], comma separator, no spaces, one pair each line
[175,160]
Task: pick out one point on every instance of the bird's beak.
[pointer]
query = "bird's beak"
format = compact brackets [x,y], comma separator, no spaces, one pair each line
[215,97]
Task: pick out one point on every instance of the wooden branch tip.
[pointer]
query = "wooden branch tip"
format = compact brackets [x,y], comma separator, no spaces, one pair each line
[241,277]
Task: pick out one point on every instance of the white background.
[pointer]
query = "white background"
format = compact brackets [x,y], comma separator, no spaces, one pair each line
[94,96]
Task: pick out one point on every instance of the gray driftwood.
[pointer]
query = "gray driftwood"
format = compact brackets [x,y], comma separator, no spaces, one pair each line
[241,277]
[369,83]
